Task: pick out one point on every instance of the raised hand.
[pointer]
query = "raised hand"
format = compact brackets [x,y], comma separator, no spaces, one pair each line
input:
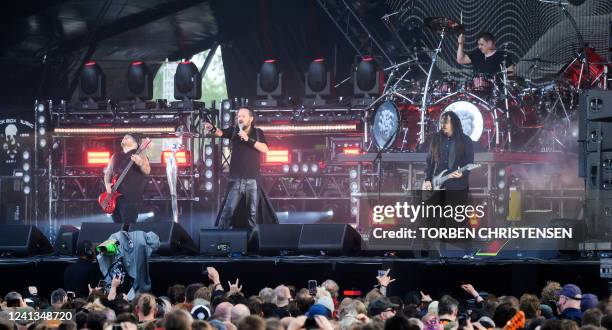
[385,279]
[234,287]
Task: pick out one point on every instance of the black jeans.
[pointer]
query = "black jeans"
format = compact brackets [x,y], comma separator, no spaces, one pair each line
[125,211]
[246,188]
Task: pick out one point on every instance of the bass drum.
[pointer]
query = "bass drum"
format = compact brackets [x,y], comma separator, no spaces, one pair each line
[477,120]
[395,126]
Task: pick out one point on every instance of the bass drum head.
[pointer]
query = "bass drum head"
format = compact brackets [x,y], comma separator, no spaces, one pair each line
[385,125]
[470,116]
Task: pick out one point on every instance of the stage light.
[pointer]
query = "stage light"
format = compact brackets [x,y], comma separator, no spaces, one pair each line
[182,157]
[317,76]
[354,187]
[113,130]
[187,82]
[366,77]
[501,184]
[351,151]
[208,150]
[295,168]
[322,128]
[208,186]
[268,78]
[226,105]
[501,172]
[41,119]
[501,197]
[277,156]
[286,168]
[92,84]
[26,178]
[26,190]
[98,157]
[226,117]
[269,83]
[304,168]
[40,107]
[25,155]
[501,210]
[314,168]
[208,174]
[208,162]
[140,82]
[317,82]
[42,131]
[353,174]
[26,166]
[354,211]
[42,143]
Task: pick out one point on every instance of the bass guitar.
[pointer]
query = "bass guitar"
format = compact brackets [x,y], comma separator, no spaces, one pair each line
[438,180]
[108,201]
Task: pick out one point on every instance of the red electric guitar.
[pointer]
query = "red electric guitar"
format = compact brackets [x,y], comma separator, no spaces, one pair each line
[108,201]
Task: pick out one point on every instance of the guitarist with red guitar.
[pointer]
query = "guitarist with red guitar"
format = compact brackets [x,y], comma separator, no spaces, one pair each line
[124,180]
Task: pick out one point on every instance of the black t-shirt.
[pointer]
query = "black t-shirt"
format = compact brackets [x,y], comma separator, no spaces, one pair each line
[133,184]
[245,159]
[488,65]
[79,274]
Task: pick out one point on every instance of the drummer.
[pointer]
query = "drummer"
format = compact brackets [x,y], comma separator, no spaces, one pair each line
[486,59]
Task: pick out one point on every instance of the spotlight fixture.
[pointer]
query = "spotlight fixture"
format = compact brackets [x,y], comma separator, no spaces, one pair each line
[317,82]
[269,83]
[92,85]
[187,82]
[366,81]
[140,82]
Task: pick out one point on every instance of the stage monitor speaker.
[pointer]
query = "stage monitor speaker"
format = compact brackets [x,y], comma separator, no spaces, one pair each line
[97,232]
[599,218]
[23,241]
[597,104]
[330,238]
[223,241]
[599,172]
[276,239]
[173,238]
[66,240]
[599,136]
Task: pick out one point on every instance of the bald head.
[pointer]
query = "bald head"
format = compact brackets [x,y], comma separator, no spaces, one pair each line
[223,312]
[239,312]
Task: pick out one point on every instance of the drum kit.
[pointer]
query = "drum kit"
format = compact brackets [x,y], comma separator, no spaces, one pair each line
[500,112]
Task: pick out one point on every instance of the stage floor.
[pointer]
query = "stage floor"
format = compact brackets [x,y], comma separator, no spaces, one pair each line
[432,275]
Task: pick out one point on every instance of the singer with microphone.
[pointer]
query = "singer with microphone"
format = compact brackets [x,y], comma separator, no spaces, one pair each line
[247,143]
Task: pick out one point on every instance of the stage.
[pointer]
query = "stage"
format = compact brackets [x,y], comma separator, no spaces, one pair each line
[433,276]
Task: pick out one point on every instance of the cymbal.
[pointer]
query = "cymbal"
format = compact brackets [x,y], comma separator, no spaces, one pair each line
[443,23]
[538,60]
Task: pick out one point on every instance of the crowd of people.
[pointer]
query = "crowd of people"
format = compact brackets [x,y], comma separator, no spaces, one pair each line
[200,306]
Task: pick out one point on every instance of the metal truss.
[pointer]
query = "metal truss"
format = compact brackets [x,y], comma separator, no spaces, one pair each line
[352,28]
[316,187]
[86,188]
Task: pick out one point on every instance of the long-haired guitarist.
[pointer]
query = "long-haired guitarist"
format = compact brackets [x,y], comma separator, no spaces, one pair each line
[450,149]
[132,187]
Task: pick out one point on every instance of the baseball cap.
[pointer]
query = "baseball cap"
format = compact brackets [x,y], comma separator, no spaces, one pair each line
[571,291]
[380,305]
